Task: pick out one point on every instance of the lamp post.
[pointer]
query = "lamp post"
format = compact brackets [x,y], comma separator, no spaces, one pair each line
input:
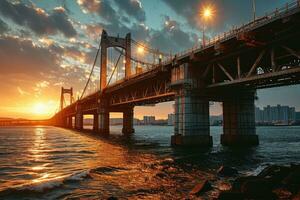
[254,10]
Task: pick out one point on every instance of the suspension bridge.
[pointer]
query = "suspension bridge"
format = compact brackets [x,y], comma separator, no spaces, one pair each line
[228,68]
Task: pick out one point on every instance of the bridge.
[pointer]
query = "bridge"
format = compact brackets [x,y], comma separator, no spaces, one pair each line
[229,68]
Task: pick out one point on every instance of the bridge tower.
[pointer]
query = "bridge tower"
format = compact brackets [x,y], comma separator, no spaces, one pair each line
[68,120]
[102,116]
[110,41]
[62,96]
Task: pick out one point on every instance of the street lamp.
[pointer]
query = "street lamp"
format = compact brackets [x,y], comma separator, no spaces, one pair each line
[207,13]
[254,9]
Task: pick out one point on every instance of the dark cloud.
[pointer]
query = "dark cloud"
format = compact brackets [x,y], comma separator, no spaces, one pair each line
[171,37]
[132,8]
[37,19]
[27,57]
[3,26]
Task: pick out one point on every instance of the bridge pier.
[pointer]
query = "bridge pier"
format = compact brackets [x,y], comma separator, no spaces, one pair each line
[79,121]
[191,120]
[239,120]
[95,122]
[69,122]
[128,122]
[103,121]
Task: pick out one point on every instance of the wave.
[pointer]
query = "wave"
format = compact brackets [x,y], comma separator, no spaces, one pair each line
[49,184]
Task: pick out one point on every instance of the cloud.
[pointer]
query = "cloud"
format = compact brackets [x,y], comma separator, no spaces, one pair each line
[171,37]
[89,5]
[132,8]
[3,26]
[28,57]
[37,19]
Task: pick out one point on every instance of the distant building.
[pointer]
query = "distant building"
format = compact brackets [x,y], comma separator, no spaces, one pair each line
[275,115]
[171,119]
[148,120]
[297,116]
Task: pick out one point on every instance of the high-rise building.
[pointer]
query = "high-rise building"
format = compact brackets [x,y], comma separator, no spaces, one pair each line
[275,114]
[297,116]
[171,119]
[149,120]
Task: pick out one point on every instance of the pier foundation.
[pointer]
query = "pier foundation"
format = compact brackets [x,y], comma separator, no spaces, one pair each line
[191,120]
[128,122]
[239,120]
[103,121]
[79,121]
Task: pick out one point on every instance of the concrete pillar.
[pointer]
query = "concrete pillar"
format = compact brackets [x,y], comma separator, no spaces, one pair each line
[69,122]
[103,121]
[239,120]
[128,122]
[96,122]
[79,121]
[191,120]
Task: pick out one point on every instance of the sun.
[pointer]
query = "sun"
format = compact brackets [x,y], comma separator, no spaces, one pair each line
[40,109]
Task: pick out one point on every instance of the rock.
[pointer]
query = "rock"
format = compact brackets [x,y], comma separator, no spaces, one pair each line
[201,187]
[296,197]
[237,184]
[282,193]
[230,195]
[293,178]
[227,171]
[258,188]
[161,175]
[275,173]
[112,198]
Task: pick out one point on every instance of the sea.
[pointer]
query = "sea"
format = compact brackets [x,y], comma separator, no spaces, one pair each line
[43,162]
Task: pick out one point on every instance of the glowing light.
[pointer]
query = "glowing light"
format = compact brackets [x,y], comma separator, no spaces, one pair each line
[124,61]
[41,109]
[140,50]
[207,12]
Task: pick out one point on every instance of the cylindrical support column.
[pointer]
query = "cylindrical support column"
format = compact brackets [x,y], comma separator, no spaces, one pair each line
[239,120]
[96,122]
[191,120]
[69,122]
[79,121]
[128,122]
[103,121]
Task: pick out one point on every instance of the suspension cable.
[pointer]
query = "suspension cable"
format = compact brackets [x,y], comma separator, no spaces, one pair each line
[91,73]
[116,65]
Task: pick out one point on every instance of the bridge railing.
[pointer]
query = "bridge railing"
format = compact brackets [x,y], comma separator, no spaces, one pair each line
[287,8]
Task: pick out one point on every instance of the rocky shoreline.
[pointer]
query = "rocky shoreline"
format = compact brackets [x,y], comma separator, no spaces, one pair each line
[273,182]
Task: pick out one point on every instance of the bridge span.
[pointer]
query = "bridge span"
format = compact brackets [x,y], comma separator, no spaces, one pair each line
[229,69]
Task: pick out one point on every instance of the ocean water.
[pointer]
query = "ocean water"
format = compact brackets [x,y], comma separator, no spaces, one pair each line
[53,163]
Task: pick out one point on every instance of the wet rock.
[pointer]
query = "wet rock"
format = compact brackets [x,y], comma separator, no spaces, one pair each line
[237,184]
[296,197]
[274,173]
[224,186]
[258,188]
[161,175]
[230,195]
[227,171]
[293,178]
[282,193]
[201,187]
[112,198]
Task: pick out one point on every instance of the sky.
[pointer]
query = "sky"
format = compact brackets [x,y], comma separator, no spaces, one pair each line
[47,44]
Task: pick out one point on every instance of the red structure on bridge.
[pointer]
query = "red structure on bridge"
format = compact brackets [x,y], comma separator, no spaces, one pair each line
[229,69]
